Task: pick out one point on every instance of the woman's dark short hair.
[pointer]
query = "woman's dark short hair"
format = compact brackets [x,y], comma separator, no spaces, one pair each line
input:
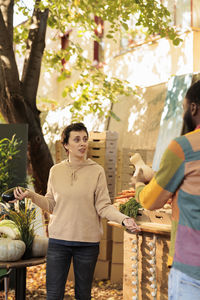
[72,127]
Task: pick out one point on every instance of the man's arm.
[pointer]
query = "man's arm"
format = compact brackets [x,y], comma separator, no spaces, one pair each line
[166,181]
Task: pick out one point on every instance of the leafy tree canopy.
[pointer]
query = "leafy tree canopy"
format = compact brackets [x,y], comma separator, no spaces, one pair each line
[93,87]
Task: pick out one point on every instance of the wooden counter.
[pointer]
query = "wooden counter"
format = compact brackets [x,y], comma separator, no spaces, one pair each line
[145,271]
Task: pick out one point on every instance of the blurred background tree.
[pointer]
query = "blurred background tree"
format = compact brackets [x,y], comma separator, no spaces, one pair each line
[18,93]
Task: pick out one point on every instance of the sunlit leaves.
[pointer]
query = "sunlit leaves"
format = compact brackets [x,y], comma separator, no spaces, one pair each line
[151,14]
[94,92]
[93,88]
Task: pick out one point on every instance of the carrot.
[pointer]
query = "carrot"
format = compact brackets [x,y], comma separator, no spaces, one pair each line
[126,192]
[121,197]
[121,200]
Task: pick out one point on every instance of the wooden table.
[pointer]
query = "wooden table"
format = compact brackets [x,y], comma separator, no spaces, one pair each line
[20,267]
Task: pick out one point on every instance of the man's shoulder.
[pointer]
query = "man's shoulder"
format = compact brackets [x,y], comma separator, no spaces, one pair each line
[188,138]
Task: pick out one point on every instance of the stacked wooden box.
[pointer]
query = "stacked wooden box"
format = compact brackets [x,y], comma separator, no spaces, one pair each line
[116,274]
[102,270]
[103,149]
[124,169]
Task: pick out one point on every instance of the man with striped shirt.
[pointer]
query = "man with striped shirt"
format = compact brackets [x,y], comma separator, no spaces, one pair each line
[178,178]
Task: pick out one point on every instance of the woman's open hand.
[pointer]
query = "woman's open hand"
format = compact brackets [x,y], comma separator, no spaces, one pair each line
[19,194]
[131,225]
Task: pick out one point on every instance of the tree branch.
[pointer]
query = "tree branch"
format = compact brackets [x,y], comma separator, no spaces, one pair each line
[4,108]
[8,59]
[33,59]
[7,12]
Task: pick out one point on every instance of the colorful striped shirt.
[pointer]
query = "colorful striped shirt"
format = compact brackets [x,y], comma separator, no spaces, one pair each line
[179,178]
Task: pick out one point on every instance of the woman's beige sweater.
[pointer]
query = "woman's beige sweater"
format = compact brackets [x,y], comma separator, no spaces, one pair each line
[77,198]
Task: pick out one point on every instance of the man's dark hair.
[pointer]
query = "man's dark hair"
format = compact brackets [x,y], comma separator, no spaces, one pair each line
[72,127]
[193,93]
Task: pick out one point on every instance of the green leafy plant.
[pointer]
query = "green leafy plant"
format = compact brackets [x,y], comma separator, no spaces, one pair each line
[25,221]
[9,149]
[130,208]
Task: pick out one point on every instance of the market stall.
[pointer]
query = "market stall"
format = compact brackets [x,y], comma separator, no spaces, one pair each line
[145,271]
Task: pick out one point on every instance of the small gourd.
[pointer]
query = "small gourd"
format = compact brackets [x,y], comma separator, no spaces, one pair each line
[39,246]
[138,162]
[11,250]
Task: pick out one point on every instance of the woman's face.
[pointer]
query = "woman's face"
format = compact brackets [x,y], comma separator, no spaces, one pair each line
[77,144]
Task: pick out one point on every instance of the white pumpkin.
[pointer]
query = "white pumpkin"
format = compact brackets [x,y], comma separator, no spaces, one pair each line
[39,246]
[9,232]
[9,228]
[11,250]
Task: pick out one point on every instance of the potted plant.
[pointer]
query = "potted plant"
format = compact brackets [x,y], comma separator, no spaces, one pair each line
[22,214]
[24,220]
[9,150]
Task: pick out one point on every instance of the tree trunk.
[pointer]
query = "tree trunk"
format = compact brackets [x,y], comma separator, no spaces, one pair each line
[18,98]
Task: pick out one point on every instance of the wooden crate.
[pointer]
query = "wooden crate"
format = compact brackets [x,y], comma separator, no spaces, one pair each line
[110,168]
[116,275]
[109,144]
[107,230]
[124,177]
[118,235]
[103,161]
[102,270]
[145,257]
[105,250]
[117,253]
[102,152]
[123,156]
[125,169]
[105,135]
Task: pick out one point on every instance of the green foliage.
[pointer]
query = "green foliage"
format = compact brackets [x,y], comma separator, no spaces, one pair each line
[150,14]
[94,91]
[9,149]
[130,208]
[24,219]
